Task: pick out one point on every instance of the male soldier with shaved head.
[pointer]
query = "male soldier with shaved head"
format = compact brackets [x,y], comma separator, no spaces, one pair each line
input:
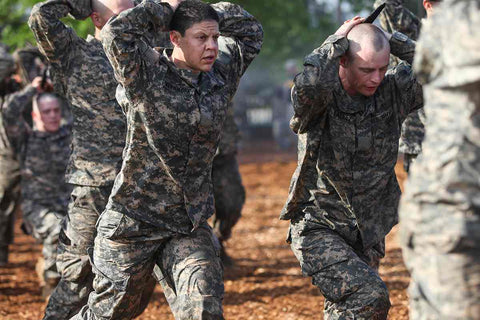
[344,193]
[98,135]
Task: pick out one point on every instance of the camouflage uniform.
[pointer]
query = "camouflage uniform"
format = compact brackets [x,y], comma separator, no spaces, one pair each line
[440,210]
[395,17]
[82,69]
[9,169]
[344,193]
[228,190]
[161,200]
[45,194]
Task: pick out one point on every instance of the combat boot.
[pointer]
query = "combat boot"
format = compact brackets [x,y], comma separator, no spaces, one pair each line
[3,256]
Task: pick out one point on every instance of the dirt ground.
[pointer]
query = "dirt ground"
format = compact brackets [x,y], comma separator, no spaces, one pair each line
[265,282]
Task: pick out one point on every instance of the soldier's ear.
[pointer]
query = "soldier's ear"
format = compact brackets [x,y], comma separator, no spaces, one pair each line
[175,37]
[97,20]
[344,61]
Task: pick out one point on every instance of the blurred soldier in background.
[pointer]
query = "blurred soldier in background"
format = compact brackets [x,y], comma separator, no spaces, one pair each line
[396,17]
[283,110]
[440,210]
[228,190]
[82,69]
[9,165]
[344,194]
[44,152]
[30,63]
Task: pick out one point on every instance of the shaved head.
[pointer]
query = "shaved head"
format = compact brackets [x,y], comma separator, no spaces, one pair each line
[103,10]
[366,37]
[365,63]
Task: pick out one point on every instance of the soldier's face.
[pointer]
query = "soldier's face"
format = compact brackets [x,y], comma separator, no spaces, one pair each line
[48,116]
[365,71]
[199,45]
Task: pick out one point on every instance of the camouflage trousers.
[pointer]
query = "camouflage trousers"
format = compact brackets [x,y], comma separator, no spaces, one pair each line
[346,275]
[127,251]
[76,237]
[9,193]
[444,263]
[44,225]
[229,195]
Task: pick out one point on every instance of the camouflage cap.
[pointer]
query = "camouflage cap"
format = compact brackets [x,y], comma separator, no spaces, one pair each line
[7,65]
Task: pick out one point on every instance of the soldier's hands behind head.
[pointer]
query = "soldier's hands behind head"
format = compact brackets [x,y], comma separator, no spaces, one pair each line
[348,25]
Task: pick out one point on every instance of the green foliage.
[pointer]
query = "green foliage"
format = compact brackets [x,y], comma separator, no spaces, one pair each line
[13,23]
[288,29]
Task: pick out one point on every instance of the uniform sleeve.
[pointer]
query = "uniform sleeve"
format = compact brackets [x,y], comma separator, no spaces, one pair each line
[241,36]
[407,89]
[12,112]
[395,17]
[55,40]
[313,87]
[124,42]
[402,47]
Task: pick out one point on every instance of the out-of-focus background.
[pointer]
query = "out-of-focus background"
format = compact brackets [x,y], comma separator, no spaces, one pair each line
[265,281]
[293,28]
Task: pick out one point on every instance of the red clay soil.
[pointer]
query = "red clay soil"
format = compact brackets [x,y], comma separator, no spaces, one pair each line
[265,282]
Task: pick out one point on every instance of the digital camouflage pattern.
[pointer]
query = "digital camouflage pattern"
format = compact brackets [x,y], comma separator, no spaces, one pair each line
[7,64]
[440,210]
[345,273]
[87,78]
[347,146]
[228,190]
[187,266]
[77,234]
[163,195]
[172,138]
[395,17]
[9,165]
[83,72]
[345,178]
[44,159]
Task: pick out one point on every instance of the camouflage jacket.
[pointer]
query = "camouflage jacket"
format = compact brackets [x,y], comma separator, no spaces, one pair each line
[441,203]
[348,146]
[84,71]
[230,134]
[395,17]
[44,157]
[174,116]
